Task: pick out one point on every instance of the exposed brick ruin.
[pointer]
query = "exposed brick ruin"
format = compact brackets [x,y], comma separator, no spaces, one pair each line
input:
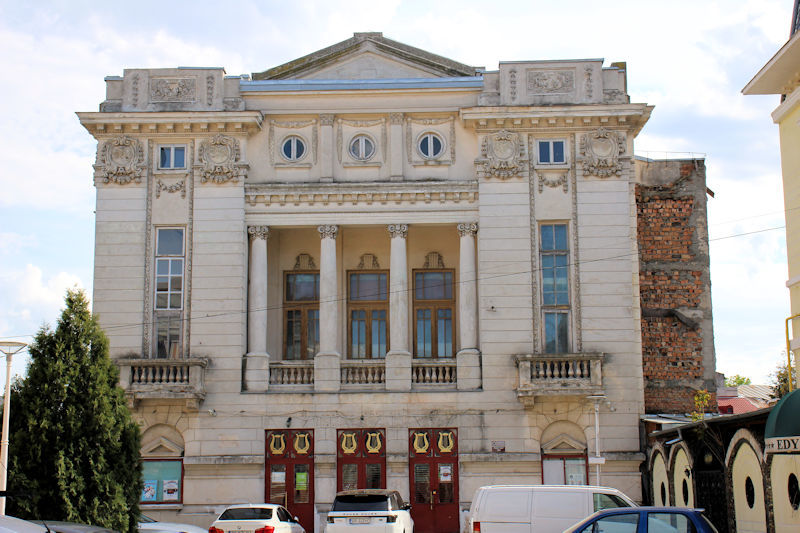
[674,284]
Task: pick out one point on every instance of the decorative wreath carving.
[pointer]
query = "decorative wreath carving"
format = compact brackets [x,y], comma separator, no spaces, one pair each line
[501,155]
[220,158]
[121,160]
[601,150]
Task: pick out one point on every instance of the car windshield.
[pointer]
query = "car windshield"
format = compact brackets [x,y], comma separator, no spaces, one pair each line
[246,513]
[708,523]
[144,519]
[361,502]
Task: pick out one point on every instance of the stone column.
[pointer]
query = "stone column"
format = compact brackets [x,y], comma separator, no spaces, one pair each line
[326,154]
[327,363]
[396,146]
[468,357]
[257,362]
[398,359]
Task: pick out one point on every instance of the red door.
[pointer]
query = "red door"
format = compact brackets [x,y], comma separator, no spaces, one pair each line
[360,459]
[433,476]
[290,472]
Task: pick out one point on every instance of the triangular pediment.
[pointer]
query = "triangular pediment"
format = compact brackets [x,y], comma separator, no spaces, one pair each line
[161,447]
[368,56]
[563,444]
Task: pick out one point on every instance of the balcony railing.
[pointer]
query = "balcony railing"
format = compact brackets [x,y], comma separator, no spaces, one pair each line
[434,373]
[559,374]
[369,373]
[291,374]
[160,379]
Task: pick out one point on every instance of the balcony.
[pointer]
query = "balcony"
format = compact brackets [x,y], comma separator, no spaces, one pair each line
[578,374]
[164,379]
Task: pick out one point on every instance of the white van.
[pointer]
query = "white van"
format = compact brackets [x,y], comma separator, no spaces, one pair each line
[538,508]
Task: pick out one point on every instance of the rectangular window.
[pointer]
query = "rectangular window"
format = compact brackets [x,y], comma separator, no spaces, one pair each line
[168,294]
[554,254]
[163,481]
[301,315]
[368,313]
[171,157]
[551,153]
[434,312]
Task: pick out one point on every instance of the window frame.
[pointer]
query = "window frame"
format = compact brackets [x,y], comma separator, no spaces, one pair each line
[159,482]
[555,309]
[304,306]
[368,306]
[435,306]
[362,139]
[171,148]
[430,135]
[551,152]
[294,139]
[169,313]
[563,457]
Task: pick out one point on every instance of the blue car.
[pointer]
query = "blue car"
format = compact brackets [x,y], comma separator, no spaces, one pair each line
[645,520]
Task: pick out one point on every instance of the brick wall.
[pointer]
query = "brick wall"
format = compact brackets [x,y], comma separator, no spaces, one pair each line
[674,284]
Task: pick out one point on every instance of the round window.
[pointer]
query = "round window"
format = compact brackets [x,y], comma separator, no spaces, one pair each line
[431,145]
[663,494]
[685,491]
[362,148]
[293,148]
[794,492]
[749,492]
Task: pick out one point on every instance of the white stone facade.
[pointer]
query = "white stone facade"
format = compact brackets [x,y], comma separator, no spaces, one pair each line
[456,182]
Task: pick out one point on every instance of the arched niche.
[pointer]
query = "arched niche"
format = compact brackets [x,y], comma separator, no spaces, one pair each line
[564,460]
[744,459]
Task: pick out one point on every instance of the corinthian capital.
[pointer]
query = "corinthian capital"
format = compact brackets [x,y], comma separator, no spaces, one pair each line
[258,232]
[468,229]
[398,230]
[328,231]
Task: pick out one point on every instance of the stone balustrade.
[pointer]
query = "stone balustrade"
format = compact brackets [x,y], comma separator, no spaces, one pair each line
[559,374]
[181,379]
[291,373]
[434,372]
[365,372]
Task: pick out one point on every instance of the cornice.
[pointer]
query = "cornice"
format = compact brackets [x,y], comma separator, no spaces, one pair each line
[786,107]
[182,123]
[632,117]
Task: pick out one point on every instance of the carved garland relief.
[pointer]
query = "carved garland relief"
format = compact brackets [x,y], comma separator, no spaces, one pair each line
[502,155]
[172,89]
[220,159]
[121,160]
[601,150]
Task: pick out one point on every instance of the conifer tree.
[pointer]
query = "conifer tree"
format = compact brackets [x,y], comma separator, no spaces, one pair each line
[74,448]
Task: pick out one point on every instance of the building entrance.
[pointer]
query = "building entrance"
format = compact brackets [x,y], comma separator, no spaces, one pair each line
[290,472]
[433,473]
[361,459]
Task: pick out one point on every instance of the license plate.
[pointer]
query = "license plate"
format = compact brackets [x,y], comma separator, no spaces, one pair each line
[365,520]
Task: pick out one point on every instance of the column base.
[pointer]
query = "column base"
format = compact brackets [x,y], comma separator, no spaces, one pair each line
[468,369]
[327,372]
[256,372]
[398,371]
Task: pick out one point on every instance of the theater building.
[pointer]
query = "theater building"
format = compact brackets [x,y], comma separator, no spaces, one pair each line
[372,267]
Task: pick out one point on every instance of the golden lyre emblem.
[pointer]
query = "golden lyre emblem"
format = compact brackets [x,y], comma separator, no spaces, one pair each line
[277,443]
[349,443]
[373,442]
[446,441]
[302,443]
[420,442]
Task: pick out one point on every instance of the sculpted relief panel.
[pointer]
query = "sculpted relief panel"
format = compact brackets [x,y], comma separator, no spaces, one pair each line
[601,151]
[220,157]
[544,82]
[121,160]
[502,155]
[172,89]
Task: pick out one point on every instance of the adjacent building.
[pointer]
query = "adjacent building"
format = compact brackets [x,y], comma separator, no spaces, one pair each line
[374,266]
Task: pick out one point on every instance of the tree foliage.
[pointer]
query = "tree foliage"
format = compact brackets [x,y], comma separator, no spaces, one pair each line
[74,448]
[780,380]
[736,380]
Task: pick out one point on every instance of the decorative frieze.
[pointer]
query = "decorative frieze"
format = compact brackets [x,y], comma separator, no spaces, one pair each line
[396,119]
[553,183]
[545,82]
[209,90]
[398,230]
[328,231]
[179,186]
[601,150]
[258,232]
[467,229]
[121,160]
[326,119]
[220,157]
[172,90]
[502,155]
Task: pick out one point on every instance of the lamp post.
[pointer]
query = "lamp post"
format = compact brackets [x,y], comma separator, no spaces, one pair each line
[9,348]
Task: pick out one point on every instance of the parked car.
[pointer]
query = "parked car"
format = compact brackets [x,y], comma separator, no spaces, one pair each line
[256,518]
[9,524]
[72,527]
[538,508]
[645,520]
[149,525]
[370,510]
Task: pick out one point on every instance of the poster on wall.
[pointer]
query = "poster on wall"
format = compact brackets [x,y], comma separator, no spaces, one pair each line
[445,473]
[149,490]
[170,490]
[301,481]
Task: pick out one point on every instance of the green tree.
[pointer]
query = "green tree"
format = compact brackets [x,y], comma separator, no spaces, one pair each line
[780,380]
[736,380]
[74,452]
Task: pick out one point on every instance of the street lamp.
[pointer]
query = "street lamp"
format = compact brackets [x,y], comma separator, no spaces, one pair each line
[9,348]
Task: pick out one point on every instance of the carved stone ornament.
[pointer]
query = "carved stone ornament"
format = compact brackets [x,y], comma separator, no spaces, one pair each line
[468,229]
[328,231]
[179,186]
[553,183]
[121,160]
[368,262]
[304,262]
[220,159]
[258,232]
[501,155]
[398,230]
[544,82]
[601,150]
[433,260]
[172,89]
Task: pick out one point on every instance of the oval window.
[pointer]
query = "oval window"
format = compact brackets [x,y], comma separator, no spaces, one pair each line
[293,148]
[431,145]
[362,148]
[750,492]
[794,492]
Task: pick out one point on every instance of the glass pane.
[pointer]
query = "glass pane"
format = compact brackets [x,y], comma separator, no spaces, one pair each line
[175,283]
[358,334]
[556,331]
[277,484]
[558,152]
[608,501]
[444,330]
[349,477]
[302,484]
[164,157]
[162,283]
[175,301]
[299,148]
[553,471]
[560,231]
[179,160]
[621,523]
[161,301]
[373,476]
[378,334]
[437,145]
[544,152]
[312,340]
[369,148]
[547,237]
[672,522]
[423,146]
[369,287]
[445,483]
[422,483]
[548,280]
[294,327]
[433,285]
[287,149]
[170,241]
[176,266]
[424,333]
[302,287]
[162,267]
[575,471]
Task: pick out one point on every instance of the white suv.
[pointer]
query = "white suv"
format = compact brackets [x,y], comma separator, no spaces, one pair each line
[256,518]
[369,511]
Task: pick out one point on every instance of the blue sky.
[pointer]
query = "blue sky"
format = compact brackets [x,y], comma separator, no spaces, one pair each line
[688,58]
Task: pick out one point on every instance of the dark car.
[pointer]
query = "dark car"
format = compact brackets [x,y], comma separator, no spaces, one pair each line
[72,527]
[645,520]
